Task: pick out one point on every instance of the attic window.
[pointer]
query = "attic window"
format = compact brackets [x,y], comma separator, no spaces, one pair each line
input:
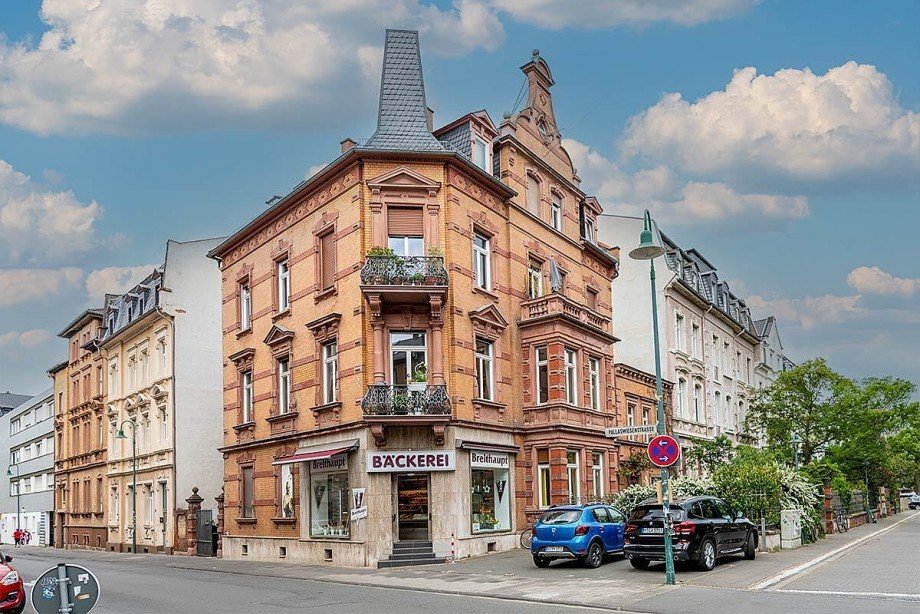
[481,154]
[541,126]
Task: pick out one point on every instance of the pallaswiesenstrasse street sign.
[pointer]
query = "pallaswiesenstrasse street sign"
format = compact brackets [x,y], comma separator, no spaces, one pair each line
[642,429]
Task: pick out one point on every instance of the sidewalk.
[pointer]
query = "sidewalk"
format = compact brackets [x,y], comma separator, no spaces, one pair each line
[512,575]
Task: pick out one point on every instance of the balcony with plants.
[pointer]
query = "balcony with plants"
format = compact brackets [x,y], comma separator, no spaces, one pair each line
[416,402]
[404,278]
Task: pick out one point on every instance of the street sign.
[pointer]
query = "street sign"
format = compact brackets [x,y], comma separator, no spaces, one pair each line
[663,451]
[619,431]
[65,589]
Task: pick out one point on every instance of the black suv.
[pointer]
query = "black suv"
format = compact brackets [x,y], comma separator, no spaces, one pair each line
[703,529]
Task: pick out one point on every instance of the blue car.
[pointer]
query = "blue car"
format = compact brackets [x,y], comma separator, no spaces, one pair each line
[587,533]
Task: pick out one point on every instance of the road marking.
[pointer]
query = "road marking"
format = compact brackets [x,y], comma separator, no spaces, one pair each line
[765,584]
[892,596]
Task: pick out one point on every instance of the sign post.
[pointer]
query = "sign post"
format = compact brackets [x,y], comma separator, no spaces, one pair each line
[65,589]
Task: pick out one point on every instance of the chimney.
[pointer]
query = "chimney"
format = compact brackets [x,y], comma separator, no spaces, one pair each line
[347,143]
[429,115]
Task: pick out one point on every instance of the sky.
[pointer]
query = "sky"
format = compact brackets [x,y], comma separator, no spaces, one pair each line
[780,138]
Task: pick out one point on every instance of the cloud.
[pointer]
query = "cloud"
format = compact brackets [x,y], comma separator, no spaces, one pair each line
[19,286]
[873,280]
[846,123]
[809,311]
[115,280]
[40,225]
[142,65]
[677,202]
[595,14]
[27,340]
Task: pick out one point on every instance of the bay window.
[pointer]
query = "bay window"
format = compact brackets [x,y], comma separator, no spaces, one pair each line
[541,371]
[571,377]
[594,374]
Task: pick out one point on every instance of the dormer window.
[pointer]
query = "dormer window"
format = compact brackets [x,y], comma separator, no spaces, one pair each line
[481,157]
[589,230]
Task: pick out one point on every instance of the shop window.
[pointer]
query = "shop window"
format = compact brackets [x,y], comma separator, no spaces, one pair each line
[286,489]
[541,369]
[247,492]
[597,475]
[482,261]
[329,504]
[330,372]
[534,279]
[594,375]
[573,476]
[490,493]
[484,369]
[543,481]
[571,377]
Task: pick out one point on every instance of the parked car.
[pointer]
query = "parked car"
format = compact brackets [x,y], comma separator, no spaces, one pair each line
[12,592]
[914,502]
[906,493]
[703,529]
[584,532]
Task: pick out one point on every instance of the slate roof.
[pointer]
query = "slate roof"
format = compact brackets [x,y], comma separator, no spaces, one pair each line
[122,310]
[402,118]
[9,400]
[763,326]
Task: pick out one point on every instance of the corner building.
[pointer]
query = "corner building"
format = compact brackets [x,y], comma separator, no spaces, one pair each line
[418,348]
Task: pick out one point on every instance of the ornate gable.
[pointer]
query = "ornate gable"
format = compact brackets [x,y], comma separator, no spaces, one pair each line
[403,178]
[488,321]
[279,339]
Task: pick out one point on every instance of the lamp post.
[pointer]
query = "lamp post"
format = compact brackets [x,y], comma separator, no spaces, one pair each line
[9,473]
[796,440]
[121,435]
[866,475]
[650,248]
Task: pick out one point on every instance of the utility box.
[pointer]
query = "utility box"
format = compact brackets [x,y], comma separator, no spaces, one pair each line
[790,523]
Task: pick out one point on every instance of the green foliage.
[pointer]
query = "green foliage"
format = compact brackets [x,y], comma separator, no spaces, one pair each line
[752,487]
[802,495]
[628,498]
[711,454]
[381,251]
[631,468]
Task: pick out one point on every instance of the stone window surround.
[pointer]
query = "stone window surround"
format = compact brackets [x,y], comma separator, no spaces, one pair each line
[243,361]
[280,343]
[280,253]
[327,225]
[324,330]
[242,463]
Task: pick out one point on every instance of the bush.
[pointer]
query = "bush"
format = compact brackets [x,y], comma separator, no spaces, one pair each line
[752,488]
[801,494]
[629,498]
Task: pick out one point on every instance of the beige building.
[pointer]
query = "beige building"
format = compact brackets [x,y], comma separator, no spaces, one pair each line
[161,355]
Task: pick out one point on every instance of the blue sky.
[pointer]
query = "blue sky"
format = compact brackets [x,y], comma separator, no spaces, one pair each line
[124,126]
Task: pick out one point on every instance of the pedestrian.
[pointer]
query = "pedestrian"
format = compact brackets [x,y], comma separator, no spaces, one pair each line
[17,536]
[27,537]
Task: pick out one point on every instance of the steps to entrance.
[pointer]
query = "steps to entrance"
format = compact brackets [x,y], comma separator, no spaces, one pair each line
[406,554]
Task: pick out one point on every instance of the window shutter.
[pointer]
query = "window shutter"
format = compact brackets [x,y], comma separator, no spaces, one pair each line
[404,222]
[327,253]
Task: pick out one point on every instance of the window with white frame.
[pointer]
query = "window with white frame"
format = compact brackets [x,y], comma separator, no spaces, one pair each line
[646,417]
[145,367]
[164,425]
[161,353]
[714,358]
[534,280]
[631,418]
[484,369]
[114,507]
[573,476]
[408,355]
[541,368]
[481,157]
[132,373]
[330,372]
[597,475]
[246,401]
[555,212]
[594,379]
[543,481]
[679,332]
[729,413]
[695,340]
[717,408]
[284,386]
[682,397]
[150,506]
[482,261]
[15,426]
[283,273]
[245,306]
[571,377]
[589,230]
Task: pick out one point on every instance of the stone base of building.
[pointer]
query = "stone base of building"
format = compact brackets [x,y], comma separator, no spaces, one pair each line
[141,548]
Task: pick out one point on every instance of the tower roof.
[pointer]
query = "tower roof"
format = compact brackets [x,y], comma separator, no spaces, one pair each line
[402,118]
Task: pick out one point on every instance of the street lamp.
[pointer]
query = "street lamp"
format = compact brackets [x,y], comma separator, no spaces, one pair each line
[9,473]
[796,440]
[649,248]
[866,475]
[121,435]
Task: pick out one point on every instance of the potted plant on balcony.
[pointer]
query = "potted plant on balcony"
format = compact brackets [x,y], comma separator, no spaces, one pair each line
[387,267]
[419,381]
[434,265]
[400,403]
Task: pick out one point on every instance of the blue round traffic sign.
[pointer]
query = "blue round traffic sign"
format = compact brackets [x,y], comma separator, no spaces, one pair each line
[663,451]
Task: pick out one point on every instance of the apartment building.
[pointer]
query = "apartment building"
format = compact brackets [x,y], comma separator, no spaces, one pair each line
[80,437]
[637,405]
[417,343]
[709,343]
[27,482]
[162,353]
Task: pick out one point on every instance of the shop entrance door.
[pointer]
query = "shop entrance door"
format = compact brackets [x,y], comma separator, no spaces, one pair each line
[412,507]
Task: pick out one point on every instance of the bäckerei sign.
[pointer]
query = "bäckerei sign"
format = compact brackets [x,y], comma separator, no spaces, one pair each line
[416,460]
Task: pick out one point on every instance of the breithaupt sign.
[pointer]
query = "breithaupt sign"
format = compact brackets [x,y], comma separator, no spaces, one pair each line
[419,460]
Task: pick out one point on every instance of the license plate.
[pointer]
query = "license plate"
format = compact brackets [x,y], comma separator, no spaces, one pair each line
[653,531]
[554,549]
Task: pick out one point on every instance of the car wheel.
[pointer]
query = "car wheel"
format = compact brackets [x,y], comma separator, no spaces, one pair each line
[540,562]
[707,558]
[639,563]
[21,608]
[595,556]
[750,551]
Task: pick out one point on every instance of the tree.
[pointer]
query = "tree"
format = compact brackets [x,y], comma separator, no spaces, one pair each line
[710,454]
[812,401]
[631,468]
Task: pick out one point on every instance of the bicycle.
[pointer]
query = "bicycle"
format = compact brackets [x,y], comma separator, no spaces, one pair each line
[841,521]
[527,537]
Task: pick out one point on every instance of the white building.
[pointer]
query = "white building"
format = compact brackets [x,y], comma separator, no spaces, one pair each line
[162,347]
[771,361]
[27,496]
[709,344]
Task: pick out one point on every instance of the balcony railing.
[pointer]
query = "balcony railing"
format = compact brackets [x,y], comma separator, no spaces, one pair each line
[404,271]
[386,400]
[557,304]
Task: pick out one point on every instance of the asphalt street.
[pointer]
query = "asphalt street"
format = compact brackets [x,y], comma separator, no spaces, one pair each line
[879,574]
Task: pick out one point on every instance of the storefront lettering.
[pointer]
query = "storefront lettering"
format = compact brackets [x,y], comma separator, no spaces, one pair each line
[489,460]
[334,463]
[381,462]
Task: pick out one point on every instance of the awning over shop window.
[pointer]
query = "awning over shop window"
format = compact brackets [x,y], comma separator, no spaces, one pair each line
[318,452]
[487,447]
